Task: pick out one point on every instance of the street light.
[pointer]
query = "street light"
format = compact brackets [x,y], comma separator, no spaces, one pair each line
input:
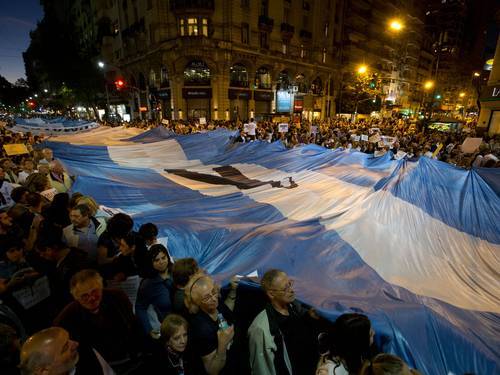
[476,74]
[396,25]
[428,85]
[45,90]
[362,69]
[462,94]
[100,64]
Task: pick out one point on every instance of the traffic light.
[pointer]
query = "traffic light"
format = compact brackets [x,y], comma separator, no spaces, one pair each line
[373,82]
[119,84]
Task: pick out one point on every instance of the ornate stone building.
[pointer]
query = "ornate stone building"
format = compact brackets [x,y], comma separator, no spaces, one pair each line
[223,59]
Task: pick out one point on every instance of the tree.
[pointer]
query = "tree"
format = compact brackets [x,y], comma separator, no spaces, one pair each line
[12,95]
[56,60]
[359,88]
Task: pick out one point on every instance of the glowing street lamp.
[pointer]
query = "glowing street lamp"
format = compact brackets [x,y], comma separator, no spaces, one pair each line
[462,94]
[362,69]
[45,90]
[100,64]
[428,85]
[476,74]
[396,25]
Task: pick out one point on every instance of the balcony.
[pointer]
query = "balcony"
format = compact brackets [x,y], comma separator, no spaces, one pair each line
[287,30]
[134,29]
[192,6]
[306,35]
[266,23]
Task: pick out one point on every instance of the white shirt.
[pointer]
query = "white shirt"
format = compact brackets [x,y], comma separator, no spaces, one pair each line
[5,191]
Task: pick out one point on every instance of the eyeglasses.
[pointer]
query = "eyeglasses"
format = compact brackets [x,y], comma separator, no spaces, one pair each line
[85,297]
[288,287]
[214,294]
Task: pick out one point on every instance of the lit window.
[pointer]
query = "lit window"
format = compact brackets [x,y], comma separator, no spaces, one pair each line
[181,27]
[302,51]
[324,55]
[192,24]
[284,48]
[204,26]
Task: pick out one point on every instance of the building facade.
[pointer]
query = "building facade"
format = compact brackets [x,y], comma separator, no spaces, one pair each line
[401,59]
[489,117]
[223,59]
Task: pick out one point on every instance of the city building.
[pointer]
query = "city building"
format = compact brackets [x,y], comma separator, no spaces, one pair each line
[222,59]
[489,117]
[389,39]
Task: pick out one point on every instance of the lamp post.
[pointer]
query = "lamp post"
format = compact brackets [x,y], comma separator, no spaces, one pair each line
[356,107]
[428,85]
[101,66]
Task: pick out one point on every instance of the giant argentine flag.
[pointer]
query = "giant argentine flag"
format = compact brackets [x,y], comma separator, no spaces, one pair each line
[415,246]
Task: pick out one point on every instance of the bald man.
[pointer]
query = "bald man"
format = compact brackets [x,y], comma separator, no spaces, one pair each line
[58,178]
[211,327]
[51,352]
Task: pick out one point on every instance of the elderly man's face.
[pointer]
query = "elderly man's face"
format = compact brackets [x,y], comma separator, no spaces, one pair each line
[64,352]
[47,154]
[88,294]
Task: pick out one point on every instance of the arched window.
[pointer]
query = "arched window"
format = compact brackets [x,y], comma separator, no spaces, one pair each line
[197,73]
[238,76]
[142,82]
[283,81]
[263,78]
[152,78]
[164,82]
[317,86]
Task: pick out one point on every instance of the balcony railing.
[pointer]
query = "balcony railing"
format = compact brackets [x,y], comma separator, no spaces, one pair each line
[266,23]
[304,34]
[287,30]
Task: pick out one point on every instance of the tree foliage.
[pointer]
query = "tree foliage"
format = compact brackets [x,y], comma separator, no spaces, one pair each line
[359,88]
[12,94]
[56,60]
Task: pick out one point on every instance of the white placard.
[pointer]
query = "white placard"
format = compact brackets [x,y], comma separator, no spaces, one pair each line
[251,128]
[356,138]
[470,145]
[283,128]
[388,140]
[364,137]
[165,122]
[130,286]
[400,155]
[314,130]
[32,295]
[203,120]
[374,130]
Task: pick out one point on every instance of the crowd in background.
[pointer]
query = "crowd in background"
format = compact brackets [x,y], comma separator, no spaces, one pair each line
[412,139]
[86,290]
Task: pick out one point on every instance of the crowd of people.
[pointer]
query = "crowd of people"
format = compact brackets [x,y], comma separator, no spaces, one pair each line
[411,139]
[85,290]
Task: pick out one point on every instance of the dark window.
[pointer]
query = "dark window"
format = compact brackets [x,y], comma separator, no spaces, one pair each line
[263,78]
[264,40]
[238,76]
[264,8]
[245,3]
[245,33]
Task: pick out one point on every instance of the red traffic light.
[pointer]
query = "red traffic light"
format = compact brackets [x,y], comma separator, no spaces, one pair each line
[119,83]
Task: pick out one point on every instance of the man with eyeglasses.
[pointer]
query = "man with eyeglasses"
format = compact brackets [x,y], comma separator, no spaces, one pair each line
[279,340]
[211,328]
[103,319]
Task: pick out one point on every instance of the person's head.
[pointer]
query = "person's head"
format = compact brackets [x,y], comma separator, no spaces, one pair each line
[149,233]
[88,201]
[19,194]
[182,270]
[73,201]
[6,164]
[14,250]
[159,259]
[55,166]
[119,226]
[202,293]
[34,201]
[28,165]
[278,287]
[174,332]
[9,346]
[43,168]
[350,340]
[49,352]
[37,182]
[5,218]
[48,154]
[86,288]
[49,242]
[387,364]
[80,216]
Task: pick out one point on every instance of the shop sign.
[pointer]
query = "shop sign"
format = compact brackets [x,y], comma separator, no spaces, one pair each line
[298,105]
[284,101]
[196,93]
[265,96]
[239,94]
[491,93]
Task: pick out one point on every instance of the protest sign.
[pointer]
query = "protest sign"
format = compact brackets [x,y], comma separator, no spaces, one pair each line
[31,295]
[400,155]
[364,137]
[374,130]
[314,130]
[375,138]
[203,120]
[470,145]
[356,138]
[388,141]
[164,122]
[283,128]
[49,194]
[130,286]
[15,149]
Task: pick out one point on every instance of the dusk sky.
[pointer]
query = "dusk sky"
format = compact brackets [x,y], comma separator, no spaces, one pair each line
[17,19]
